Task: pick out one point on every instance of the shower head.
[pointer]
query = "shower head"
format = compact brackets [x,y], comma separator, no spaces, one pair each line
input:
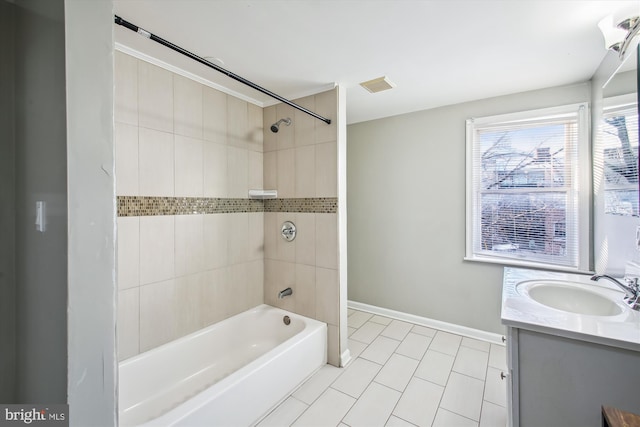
[276,126]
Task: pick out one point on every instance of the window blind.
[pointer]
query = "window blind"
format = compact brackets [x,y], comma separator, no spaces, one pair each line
[525,189]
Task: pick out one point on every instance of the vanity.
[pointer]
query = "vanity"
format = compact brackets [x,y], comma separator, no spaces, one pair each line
[573,346]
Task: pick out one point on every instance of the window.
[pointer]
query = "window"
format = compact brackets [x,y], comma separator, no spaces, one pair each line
[620,157]
[528,188]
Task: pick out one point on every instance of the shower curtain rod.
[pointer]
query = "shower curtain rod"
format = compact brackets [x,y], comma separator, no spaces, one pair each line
[142,32]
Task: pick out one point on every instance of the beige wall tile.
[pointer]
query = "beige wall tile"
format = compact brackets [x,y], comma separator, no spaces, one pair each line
[189,244]
[255,170]
[216,234]
[306,238]
[270,138]
[285,138]
[305,171]
[305,291]
[255,283]
[126,88]
[189,178]
[128,323]
[327,106]
[157,258]
[327,240]
[286,175]
[187,107]
[327,170]
[304,123]
[255,128]
[214,115]
[186,305]
[237,172]
[215,170]
[128,252]
[158,323]
[236,293]
[155,97]
[126,147]
[271,284]
[156,160]
[327,295]
[238,238]
[270,172]
[213,304]
[256,236]
[237,122]
[285,250]
[271,234]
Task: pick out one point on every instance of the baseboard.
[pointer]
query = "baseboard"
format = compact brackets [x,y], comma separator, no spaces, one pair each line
[345,358]
[430,323]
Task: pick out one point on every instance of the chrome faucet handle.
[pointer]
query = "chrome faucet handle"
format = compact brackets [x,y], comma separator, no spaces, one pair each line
[632,282]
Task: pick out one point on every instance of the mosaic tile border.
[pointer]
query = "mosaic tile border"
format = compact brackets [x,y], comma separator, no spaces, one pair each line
[151,206]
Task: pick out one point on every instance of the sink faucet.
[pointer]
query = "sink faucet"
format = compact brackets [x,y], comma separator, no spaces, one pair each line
[630,288]
[285,292]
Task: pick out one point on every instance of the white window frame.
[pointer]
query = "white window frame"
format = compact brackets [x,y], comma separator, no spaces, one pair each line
[582,179]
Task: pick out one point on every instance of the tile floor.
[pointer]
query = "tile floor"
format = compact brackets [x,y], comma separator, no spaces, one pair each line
[402,374]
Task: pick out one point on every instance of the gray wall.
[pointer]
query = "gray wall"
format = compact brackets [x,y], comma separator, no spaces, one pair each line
[40,174]
[406,211]
[92,216]
[7,206]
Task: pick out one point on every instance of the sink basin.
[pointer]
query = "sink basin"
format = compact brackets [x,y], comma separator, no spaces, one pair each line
[572,297]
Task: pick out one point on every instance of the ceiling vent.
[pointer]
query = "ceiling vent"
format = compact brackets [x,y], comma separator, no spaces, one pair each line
[378,85]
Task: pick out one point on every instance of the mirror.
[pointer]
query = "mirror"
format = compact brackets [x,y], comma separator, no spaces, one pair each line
[619,139]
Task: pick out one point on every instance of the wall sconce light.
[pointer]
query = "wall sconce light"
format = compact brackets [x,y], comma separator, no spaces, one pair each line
[618,36]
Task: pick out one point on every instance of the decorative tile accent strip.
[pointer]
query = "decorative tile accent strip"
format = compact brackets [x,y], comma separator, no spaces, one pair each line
[305,205]
[150,206]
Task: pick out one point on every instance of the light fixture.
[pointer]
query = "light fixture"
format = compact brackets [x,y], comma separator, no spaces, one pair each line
[618,36]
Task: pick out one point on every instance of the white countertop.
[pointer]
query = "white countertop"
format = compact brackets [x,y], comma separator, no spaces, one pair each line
[520,311]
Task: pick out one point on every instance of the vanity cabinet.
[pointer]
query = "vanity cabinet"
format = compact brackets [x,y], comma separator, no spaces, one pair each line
[563,381]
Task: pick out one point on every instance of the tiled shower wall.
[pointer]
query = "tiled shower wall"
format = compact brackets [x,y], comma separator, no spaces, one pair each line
[190,253]
[178,138]
[300,161]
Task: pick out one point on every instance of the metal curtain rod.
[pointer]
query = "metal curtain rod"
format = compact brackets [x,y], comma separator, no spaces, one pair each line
[142,32]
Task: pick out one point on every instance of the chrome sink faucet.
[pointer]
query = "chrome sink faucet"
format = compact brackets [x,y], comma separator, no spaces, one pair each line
[630,287]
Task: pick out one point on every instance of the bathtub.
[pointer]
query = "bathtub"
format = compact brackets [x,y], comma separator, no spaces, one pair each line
[228,374]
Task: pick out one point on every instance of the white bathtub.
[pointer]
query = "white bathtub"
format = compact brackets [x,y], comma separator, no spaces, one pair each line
[228,374]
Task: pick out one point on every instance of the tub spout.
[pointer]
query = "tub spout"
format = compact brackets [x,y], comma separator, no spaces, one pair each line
[285,292]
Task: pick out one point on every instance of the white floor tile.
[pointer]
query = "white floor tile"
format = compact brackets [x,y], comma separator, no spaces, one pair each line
[471,362]
[367,332]
[356,377]
[350,311]
[358,318]
[495,388]
[373,407]
[381,319]
[414,346]
[317,384]
[380,350]
[397,372]
[350,330]
[397,330]
[419,402]
[398,422]
[498,357]
[445,342]
[445,418]
[493,415]
[328,410]
[423,330]
[285,414]
[435,367]
[463,396]
[355,347]
[477,344]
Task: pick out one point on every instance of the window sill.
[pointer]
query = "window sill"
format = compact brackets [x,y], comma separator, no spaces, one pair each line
[527,264]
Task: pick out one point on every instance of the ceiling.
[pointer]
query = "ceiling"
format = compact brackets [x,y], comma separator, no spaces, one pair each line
[436,52]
